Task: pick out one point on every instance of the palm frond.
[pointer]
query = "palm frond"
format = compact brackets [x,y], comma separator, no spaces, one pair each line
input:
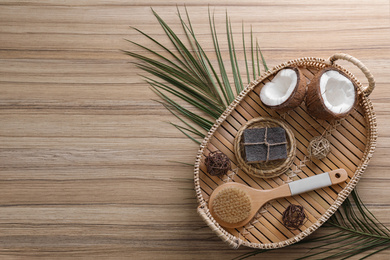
[187,73]
[226,88]
[185,131]
[233,56]
[190,128]
[191,97]
[198,120]
[245,57]
[211,78]
[253,56]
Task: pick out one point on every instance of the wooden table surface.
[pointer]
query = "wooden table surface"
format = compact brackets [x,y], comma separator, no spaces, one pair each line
[86,161]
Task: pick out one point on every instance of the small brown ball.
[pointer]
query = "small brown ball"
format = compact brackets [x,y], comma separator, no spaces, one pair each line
[294,216]
[217,163]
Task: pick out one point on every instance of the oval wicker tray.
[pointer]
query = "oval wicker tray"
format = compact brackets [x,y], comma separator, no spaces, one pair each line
[352,142]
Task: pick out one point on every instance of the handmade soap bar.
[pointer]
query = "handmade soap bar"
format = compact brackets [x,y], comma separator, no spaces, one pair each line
[276,135]
[265,144]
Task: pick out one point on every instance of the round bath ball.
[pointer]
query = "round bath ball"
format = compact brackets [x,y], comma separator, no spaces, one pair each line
[217,163]
[319,147]
[294,216]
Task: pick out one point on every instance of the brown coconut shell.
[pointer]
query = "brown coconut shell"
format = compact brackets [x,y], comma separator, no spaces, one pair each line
[315,102]
[296,97]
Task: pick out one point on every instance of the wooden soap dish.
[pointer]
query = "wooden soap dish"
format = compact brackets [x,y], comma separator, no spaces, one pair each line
[267,169]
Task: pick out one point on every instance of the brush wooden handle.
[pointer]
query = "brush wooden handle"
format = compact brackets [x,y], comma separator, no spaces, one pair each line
[318,181]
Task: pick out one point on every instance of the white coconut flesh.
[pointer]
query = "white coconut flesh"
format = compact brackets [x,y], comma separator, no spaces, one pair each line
[280,88]
[337,91]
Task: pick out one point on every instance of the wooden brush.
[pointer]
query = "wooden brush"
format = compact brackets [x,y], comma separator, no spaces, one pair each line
[233,204]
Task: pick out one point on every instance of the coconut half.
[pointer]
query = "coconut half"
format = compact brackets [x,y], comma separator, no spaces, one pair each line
[331,95]
[285,91]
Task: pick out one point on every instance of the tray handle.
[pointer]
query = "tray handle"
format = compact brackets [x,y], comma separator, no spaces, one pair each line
[342,56]
[205,214]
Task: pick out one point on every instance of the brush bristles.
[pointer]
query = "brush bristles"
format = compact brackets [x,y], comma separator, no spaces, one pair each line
[232,205]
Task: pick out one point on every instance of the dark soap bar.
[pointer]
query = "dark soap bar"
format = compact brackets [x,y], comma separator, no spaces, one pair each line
[276,135]
[277,152]
[256,153]
[254,135]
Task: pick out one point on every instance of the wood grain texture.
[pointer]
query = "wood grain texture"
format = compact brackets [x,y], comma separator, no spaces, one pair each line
[86,156]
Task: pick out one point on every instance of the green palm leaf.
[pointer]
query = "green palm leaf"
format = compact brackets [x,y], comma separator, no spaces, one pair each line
[184,79]
[190,76]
